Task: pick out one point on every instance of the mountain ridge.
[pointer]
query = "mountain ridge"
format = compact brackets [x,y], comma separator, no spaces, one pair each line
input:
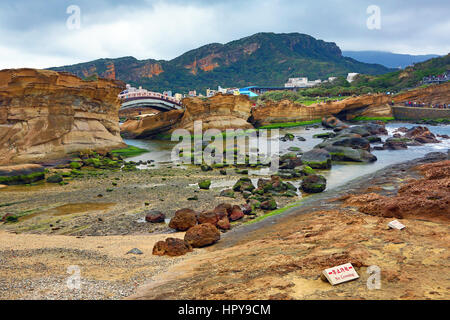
[265,59]
[388,59]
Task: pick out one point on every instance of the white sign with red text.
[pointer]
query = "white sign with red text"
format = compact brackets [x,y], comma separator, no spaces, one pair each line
[340,274]
[396,225]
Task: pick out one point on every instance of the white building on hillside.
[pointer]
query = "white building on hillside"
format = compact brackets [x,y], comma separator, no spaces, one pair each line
[351,76]
[301,83]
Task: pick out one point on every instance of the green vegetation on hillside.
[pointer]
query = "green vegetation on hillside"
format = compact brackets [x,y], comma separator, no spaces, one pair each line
[409,77]
[340,88]
[264,59]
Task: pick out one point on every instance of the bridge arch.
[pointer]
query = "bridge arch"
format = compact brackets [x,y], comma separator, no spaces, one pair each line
[157,103]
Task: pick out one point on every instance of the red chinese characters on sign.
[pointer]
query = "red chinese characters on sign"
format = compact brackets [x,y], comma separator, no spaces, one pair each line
[340,274]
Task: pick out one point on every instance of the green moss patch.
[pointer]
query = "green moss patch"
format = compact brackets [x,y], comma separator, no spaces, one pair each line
[129,151]
[275,212]
[23,179]
[290,124]
[384,119]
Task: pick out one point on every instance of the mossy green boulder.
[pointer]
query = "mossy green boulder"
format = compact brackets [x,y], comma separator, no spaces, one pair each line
[21,174]
[75,165]
[314,184]
[56,178]
[317,159]
[204,184]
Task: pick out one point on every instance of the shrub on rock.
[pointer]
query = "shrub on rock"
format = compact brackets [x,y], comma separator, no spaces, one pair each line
[244,184]
[21,174]
[228,193]
[75,165]
[270,204]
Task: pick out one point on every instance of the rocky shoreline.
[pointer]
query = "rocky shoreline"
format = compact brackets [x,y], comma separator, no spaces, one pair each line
[44,267]
[283,256]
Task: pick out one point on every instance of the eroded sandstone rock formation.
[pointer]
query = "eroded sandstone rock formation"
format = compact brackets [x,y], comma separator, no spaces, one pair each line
[149,126]
[219,112]
[48,115]
[287,111]
[428,95]
[237,112]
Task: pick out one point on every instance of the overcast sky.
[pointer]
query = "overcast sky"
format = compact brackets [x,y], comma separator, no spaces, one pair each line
[34,33]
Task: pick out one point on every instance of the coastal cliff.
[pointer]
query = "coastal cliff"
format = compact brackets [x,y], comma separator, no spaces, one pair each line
[429,95]
[219,112]
[237,112]
[149,126]
[48,115]
[288,111]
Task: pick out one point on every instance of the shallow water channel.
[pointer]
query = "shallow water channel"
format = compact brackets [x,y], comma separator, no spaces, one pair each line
[340,174]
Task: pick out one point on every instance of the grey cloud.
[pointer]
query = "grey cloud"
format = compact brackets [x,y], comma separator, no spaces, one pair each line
[36,28]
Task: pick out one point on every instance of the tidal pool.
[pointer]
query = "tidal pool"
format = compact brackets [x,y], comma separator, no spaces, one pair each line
[341,173]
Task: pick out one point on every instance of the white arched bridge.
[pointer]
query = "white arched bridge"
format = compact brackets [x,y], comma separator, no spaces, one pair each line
[141,98]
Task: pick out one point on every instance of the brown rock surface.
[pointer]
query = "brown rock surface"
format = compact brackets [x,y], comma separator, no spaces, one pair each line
[202,235]
[284,260]
[224,224]
[429,95]
[155,216]
[288,111]
[427,198]
[219,112]
[47,115]
[171,247]
[422,135]
[148,126]
[236,213]
[183,220]
[208,217]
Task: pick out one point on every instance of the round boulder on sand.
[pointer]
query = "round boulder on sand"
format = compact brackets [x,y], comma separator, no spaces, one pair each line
[202,235]
[172,247]
[183,220]
[155,217]
[207,217]
[236,213]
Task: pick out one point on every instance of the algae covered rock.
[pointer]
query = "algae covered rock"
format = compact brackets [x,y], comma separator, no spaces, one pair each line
[317,159]
[21,174]
[56,178]
[314,184]
[204,184]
